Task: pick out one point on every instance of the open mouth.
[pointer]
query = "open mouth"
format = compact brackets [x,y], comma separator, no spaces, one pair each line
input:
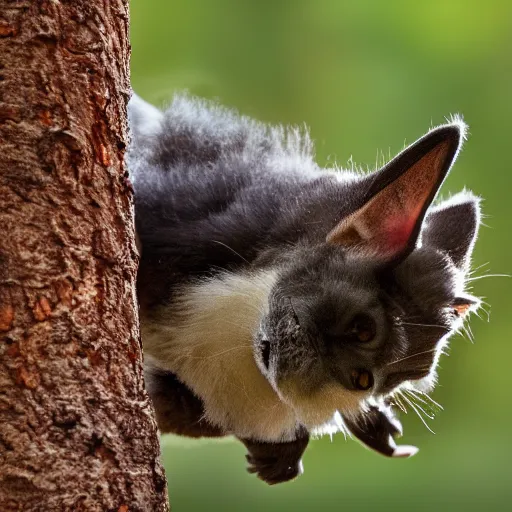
[265,352]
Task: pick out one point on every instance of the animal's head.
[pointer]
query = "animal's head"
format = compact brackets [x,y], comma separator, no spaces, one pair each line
[368,310]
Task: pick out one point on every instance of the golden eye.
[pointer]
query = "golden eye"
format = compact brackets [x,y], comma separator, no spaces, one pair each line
[361,328]
[362,379]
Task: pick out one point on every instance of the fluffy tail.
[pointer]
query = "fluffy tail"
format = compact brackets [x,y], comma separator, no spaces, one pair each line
[145,124]
[144,118]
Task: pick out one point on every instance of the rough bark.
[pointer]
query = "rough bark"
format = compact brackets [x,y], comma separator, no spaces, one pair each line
[77,430]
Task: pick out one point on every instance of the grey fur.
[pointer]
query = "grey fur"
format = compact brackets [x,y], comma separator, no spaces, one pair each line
[217,192]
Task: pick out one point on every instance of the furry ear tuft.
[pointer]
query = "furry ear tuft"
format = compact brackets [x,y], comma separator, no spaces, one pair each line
[389,222]
[452,227]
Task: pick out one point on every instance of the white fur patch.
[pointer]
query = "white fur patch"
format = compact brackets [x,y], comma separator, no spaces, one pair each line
[206,338]
[320,408]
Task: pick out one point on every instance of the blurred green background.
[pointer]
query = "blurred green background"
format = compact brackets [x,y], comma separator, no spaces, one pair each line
[365,76]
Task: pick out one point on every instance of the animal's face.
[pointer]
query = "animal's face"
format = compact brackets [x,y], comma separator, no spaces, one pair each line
[357,317]
[343,324]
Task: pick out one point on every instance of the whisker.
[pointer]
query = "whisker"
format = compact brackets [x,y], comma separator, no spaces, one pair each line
[418,413]
[468,327]
[189,356]
[402,397]
[222,352]
[422,411]
[464,329]
[411,392]
[472,271]
[486,311]
[414,397]
[428,397]
[412,355]
[430,415]
[232,250]
[424,325]
[477,313]
[399,403]
[476,278]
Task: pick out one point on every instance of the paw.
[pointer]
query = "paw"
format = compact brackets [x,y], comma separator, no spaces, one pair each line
[274,470]
[277,462]
[378,429]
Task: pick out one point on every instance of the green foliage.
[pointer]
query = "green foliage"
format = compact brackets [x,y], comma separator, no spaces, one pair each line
[363,75]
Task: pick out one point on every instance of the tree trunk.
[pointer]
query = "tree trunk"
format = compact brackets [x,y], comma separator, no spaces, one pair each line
[77,430]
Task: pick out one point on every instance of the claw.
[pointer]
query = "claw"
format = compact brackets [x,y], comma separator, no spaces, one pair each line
[405,451]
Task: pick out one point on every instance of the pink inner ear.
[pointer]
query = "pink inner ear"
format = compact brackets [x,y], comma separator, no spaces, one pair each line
[398,228]
[397,233]
[388,221]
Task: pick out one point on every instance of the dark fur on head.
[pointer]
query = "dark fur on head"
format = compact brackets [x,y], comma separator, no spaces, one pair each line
[322,288]
[365,278]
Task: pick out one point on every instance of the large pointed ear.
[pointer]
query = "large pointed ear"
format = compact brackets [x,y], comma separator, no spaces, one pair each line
[452,227]
[388,223]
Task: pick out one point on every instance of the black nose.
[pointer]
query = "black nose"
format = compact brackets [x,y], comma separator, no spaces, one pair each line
[265,352]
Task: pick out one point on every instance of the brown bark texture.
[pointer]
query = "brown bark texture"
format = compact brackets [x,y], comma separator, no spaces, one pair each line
[77,430]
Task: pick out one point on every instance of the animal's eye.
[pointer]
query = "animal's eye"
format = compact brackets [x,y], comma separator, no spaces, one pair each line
[362,380]
[361,328]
